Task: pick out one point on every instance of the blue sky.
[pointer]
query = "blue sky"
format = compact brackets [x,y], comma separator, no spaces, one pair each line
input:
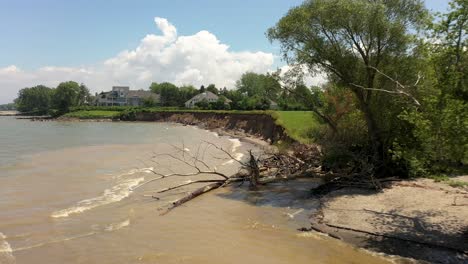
[82,34]
[70,33]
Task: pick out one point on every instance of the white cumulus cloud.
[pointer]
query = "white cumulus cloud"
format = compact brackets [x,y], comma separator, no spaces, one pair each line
[196,59]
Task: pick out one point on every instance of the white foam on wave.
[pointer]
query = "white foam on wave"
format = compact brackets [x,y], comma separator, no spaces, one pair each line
[135,171]
[235,144]
[112,195]
[55,241]
[117,226]
[6,253]
[237,156]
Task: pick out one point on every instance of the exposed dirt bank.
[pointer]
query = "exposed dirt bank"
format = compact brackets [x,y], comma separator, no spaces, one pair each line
[256,125]
[419,219]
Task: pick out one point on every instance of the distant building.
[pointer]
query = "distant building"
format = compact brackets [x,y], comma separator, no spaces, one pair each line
[123,96]
[207,96]
[273,105]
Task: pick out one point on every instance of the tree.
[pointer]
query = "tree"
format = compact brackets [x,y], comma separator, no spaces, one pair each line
[36,99]
[202,89]
[355,43]
[66,95]
[450,53]
[149,102]
[254,84]
[438,142]
[84,97]
[212,88]
[186,92]
[169,93]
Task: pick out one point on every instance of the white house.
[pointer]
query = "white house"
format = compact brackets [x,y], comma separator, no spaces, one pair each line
[123,96]
[205,96]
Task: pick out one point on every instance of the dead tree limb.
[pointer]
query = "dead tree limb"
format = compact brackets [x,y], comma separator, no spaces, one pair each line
[192,195]
[399,88]
[257,171]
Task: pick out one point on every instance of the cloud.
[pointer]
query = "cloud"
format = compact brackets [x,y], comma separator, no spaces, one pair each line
[316,78]
[195,59]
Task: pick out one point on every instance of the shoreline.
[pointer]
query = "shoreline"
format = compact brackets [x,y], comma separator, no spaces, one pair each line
[327,220]
[403,219]
[241,135]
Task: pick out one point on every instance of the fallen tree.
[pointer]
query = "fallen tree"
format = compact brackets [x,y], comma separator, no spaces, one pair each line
[261,170]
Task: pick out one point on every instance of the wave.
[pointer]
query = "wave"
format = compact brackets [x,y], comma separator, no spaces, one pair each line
[117,226]
[109,228]
[6,253]
[235,144]
[237,156]
[135,171]
[112,195]
[55,241]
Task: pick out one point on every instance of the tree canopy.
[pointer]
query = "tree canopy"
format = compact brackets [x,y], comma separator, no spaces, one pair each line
[359,44]
[34,100]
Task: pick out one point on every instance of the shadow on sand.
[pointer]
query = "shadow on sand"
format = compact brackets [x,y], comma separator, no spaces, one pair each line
[411,237]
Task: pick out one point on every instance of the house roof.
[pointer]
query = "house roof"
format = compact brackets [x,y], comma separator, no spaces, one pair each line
[204,96]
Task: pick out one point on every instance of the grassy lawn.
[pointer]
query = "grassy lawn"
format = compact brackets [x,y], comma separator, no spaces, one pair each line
[298,124]
[93,114]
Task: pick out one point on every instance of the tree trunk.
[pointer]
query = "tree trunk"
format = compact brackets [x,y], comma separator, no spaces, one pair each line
[374,133]
[254,171]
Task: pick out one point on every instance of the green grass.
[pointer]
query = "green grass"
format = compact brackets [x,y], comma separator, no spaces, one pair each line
[94,114]
[299,125]
[446,179]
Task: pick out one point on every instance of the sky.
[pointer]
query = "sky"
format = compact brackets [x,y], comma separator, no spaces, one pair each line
[105,43]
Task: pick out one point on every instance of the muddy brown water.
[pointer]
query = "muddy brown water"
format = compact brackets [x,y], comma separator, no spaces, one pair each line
[65,197]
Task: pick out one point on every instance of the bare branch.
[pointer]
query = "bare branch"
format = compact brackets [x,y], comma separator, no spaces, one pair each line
[397,90]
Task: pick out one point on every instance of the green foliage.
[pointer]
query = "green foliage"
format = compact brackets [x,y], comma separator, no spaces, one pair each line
[95,114]
[437,141]
[299,125]
[259,85]
[34,100]
[66,95]
[99,108]
[446,179]
[173,96]
[212,88]
[358,44]
[7,107]
[169,93]
[220,104]
[149,102]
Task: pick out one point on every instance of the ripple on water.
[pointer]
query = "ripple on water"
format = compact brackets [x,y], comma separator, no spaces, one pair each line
[6,253]
[115,194]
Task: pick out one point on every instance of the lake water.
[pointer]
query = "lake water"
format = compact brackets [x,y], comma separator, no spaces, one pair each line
[66,197]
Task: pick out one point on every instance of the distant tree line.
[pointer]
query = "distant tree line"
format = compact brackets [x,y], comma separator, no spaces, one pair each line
[45,100]
[253,91]
[7,107]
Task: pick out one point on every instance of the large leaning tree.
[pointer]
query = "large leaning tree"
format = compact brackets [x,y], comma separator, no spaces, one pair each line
[359,44]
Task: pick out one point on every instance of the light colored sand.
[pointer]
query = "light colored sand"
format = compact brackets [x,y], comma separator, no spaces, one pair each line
[420,210]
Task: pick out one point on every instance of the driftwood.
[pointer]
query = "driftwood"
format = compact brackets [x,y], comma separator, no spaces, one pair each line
[257,171]
[305,162]
[192,195]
